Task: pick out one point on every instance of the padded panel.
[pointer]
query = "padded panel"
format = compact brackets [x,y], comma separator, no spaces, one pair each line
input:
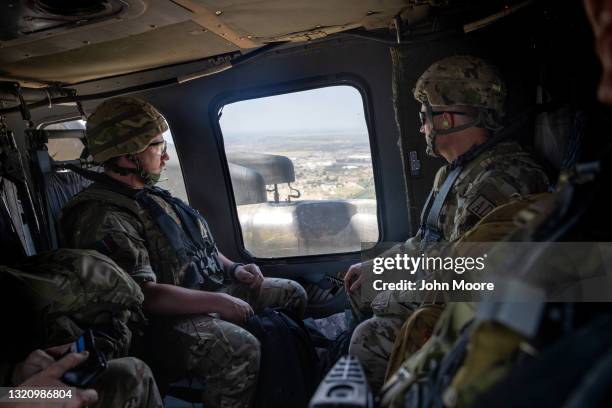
[170,32]
[276,19]
[163,46]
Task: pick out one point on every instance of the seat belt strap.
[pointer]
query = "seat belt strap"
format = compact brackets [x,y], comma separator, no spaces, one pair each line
[432,232]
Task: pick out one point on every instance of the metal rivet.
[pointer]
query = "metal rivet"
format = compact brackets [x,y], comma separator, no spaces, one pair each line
[218,12]
[250,37]
[86,42]
[370,13]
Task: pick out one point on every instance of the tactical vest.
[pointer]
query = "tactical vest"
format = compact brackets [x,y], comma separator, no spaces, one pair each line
[180,255]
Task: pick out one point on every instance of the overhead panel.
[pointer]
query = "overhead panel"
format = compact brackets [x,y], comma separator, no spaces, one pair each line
[210,19]
[299,20]
[167,45]
[133,35]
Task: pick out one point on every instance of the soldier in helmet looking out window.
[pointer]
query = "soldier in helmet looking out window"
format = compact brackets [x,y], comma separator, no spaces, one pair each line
[462,110]
[196,298]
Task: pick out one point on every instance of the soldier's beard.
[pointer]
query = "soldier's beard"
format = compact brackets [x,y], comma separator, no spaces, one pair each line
[150,179]
[430,139]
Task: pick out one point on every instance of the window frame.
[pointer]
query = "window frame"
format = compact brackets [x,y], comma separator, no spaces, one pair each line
[54,121]
[343,79]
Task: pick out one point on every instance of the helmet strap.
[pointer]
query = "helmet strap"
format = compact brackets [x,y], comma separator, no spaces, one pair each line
[148,178]
[431,139]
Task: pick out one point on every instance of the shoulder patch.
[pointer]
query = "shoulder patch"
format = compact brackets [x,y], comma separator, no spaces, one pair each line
[481,206]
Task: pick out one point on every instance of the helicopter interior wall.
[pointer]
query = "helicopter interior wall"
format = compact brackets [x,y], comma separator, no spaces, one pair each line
[187,108]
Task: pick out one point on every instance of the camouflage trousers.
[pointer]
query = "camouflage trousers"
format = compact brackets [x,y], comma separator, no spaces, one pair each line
[372,341]
[273,292]
[127,383]
[220,354]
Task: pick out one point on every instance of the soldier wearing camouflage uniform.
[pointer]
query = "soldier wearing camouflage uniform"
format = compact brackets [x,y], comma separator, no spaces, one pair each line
[196,298]
[463,100]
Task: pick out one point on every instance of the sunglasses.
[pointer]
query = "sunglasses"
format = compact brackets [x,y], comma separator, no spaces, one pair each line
[423,115]
[160,143]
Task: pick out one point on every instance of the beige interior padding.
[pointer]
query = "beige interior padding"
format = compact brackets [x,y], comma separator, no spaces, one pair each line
[167,45]
[174,31]
[278,19]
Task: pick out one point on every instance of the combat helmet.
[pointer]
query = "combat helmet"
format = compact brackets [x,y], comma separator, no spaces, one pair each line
[123,126]
[462,81]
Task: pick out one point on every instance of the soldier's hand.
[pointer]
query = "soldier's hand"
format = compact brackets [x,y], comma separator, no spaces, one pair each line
[51,376]
[249,274]
[34,363]
[37,361]
[234,310]
[354,277]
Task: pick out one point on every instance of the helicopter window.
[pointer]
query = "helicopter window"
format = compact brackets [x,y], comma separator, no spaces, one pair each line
[301,171]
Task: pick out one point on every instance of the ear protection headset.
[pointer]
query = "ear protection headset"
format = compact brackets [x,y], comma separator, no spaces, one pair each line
[446,124]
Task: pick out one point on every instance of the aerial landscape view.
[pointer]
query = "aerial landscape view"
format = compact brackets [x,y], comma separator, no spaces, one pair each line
[327,166]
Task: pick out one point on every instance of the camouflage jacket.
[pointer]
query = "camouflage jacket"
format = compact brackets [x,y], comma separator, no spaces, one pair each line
[103,218]
[494,177]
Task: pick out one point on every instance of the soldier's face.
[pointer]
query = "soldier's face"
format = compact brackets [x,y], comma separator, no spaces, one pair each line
[599,13]
[425,125]
[426,129]
[153,159]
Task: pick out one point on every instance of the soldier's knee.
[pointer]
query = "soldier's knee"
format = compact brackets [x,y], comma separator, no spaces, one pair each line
[245,353]
[286,293]
[359,337]
[298,293]
[251,352]
[127,381]
[128,369]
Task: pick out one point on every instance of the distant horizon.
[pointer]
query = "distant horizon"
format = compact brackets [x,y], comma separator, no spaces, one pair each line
[335,110]
[294,133]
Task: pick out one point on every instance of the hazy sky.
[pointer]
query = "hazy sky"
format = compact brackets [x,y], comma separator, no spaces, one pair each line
[335,109]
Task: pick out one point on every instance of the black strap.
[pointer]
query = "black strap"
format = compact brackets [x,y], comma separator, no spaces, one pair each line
[101,178]
[427,207]
[193,248]
[188,216]
[170,229]
[432,232]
